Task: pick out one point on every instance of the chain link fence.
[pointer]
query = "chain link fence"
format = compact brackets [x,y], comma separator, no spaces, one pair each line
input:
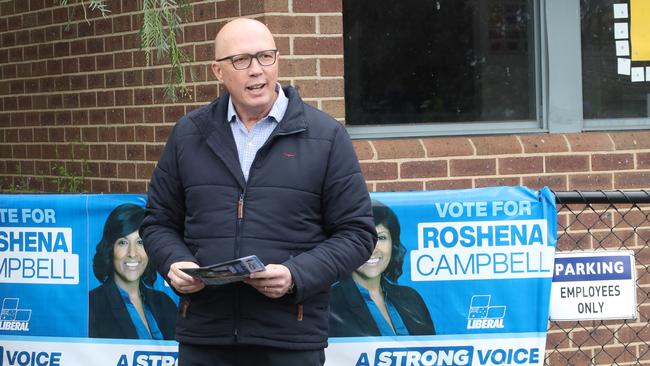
[604,220]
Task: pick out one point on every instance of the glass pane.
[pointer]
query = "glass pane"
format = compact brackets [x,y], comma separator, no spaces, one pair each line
[423,61]
[608,88]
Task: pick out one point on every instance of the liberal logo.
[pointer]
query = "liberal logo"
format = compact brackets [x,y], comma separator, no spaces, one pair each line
[483,315]
[12,317]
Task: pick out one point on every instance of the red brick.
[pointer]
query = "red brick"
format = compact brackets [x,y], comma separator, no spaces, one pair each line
[249,7]
[162,132]
[493,145]
[115,115]
[123,60]
[125,134]
[124,97]
[472,167]
[107,134]
[153,115]
[132,78]
[90,134]
[152,152]
[379,171]
[317,6]
[173,114]
[363,149]
[448,184]
[612,161]
[573,163]
[335,107]
[45,17]
[104,62]
[194,33]
[330,24]
[544,143]
[144,134]
[290,24]
[398,149]
[116,186]
[98,152]
[554,182]
[227,9]
[122,24]
[136,187]
[590,141]
[321,88]
[126,170]
[633,140]
[636,180]
[116,152]
[134,152]
[590,182]
[204,11]
[144,170]
[97,116]
[497,182]
[331,67]
[643,160]
[399,186]
[297,67]
[521,165]
[206,93]
[105,98]
[447,146]
[423,169]
[318,46]
[133,115]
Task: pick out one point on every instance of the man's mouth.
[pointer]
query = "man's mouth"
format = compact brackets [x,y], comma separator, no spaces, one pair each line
[256,86]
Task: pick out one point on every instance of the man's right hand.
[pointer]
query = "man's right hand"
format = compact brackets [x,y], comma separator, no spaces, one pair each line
[181,281]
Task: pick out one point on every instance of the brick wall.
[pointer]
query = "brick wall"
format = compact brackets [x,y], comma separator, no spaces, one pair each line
[77,98]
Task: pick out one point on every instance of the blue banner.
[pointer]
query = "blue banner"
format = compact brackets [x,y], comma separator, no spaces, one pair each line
[463,277]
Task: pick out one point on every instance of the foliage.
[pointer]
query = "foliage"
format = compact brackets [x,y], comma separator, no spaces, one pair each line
[161,25]
[69,182]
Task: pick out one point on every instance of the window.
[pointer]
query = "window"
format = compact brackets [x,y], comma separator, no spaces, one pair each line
[615,65]
[436,62]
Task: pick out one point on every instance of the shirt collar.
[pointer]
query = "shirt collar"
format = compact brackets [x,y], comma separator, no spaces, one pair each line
[276,112]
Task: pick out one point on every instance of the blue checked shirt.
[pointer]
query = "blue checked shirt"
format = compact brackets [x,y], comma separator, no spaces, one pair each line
[248,142]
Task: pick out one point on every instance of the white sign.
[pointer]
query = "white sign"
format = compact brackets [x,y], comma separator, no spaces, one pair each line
[593,286]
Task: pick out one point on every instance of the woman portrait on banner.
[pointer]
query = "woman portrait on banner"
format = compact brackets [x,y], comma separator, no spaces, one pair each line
[125,305]
[370,302]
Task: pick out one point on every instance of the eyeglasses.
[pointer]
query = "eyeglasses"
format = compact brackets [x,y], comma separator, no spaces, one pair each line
[243,61]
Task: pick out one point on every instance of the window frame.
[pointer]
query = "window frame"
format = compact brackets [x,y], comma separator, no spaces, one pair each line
[558,78]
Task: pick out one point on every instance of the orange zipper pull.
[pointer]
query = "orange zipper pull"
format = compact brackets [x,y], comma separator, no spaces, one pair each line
[240,208]
[299,312]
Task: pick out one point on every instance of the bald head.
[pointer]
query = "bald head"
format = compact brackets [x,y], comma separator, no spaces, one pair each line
[235,37]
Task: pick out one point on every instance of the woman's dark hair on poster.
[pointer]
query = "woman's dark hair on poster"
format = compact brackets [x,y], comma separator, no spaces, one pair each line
[383,215]
[122,221]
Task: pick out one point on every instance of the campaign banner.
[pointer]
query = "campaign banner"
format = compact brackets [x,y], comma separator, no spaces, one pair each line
[458,277]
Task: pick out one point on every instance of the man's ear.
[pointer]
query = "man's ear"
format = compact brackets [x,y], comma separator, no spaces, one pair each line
[216,70]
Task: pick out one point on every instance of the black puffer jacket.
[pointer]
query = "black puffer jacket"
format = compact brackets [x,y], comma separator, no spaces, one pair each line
[305,205]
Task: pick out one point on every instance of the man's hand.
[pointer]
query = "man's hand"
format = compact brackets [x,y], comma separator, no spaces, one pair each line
[273,283]
[181,281]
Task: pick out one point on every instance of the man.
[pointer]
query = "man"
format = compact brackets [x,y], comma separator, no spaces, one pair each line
[257,171]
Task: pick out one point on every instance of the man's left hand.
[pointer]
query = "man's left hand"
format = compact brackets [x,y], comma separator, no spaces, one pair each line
[273,283]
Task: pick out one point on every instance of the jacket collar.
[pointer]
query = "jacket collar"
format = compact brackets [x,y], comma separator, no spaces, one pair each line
[215,128]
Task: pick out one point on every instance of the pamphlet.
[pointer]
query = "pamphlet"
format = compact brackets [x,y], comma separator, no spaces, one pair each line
[227,272]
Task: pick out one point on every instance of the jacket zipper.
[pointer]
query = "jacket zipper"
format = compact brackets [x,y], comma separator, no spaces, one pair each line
[240,218]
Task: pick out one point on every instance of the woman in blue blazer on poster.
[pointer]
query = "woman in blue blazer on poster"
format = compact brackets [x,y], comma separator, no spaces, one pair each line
[125,305]
[370,302]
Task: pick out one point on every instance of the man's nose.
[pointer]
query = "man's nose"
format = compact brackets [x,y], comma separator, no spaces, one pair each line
[255,67]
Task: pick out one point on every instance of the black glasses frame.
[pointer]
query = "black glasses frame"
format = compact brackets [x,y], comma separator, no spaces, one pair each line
[250,57]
